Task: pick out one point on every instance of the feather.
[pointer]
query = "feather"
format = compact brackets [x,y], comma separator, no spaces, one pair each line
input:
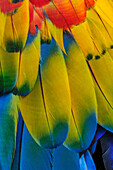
[16,29]
[66,13]
[56,69]
[28,65]
[8,70]
[36,18]
[8,129]
[97,38]
[102,26]
[82,35]
[105,11]
[83,118]
[46,110]
[102,71]
[105,111]
[6,6]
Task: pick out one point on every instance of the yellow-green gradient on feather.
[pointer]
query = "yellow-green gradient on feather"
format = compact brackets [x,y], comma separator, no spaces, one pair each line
[9,65]
[46,110]
[83,100]
[8,129]
[16,29]
[28,67]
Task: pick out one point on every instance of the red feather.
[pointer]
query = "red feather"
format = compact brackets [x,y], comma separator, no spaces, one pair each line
[7,6]
[36,18]
[65,13]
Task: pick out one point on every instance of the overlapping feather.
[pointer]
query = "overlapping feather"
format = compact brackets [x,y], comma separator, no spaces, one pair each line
[65,90]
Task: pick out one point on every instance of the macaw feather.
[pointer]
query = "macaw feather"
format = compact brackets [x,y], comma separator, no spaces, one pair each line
[8,129]
[36,18]
[9,66]
[105,111]
[7,6]
[105,10]
[83,113]
[66,13]
[46,110]
[82,35]
[102,70]
[102,26]
[16,29]
[56,68]
[28,66]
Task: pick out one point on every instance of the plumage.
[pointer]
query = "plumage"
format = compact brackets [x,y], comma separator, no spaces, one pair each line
[56,95]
